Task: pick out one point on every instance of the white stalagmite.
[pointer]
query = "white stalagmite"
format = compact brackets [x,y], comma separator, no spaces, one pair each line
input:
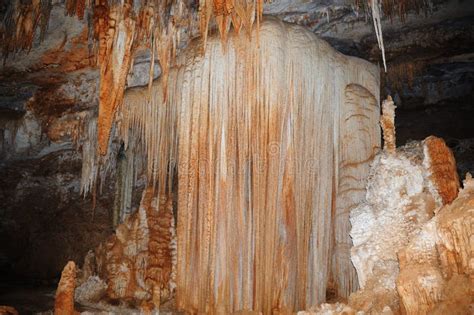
[271,141]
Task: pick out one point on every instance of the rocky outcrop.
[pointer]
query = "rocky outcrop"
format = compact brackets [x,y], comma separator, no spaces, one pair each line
[136,264]
[405,189]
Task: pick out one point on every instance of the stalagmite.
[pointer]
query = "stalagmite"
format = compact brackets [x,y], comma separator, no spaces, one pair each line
[356,151]
[403,194]
[64,303]
[137,262]
[442,167]
[271,141]
[387,122]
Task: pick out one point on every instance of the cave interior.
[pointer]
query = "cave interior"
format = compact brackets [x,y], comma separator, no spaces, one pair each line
[237,157]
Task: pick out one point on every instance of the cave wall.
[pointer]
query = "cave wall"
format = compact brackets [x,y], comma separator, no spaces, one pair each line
[47,95]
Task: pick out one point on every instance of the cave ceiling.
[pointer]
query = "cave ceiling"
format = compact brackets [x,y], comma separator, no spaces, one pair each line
[428,48]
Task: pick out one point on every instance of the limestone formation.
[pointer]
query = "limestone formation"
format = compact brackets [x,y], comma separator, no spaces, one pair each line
[436,268]
[64,302]
[442,168]
[271,141]
[403,193]
[387,122]
[136,263]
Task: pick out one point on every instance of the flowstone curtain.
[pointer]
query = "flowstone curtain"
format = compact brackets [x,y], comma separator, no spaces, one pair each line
[270,138]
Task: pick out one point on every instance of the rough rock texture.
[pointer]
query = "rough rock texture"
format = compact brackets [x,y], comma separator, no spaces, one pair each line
[44,220]
[329,309]
[136,262]
[92,290]
[403,193]
[436,268]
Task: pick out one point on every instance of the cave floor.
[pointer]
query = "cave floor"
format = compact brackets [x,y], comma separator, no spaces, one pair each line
[27,298]
[35,298]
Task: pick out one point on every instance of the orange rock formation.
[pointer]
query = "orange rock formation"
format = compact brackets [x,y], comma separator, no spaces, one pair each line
[64,303]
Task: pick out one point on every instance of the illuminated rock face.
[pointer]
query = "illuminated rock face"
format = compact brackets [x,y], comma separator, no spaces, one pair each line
[271,140]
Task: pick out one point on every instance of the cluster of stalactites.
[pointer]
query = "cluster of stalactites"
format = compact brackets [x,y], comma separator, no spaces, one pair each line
[389,8]
[155,26]
[393,8]
[122,30]
[118,29]
[239,13]
[19,24]
[95,168]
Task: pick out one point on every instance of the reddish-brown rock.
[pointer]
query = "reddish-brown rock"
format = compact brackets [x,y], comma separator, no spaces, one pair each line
[7,310]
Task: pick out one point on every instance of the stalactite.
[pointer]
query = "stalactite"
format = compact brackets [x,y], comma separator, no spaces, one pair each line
[376,17]
[20,22]
[90,158]
[120,29]
[114,70]
[400,8]
[95,168]
[255,176]
[129,166]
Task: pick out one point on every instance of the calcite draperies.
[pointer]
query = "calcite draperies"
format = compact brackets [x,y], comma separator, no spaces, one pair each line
[271,140]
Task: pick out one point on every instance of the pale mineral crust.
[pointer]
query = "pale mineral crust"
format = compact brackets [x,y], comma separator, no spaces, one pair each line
[405,188]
